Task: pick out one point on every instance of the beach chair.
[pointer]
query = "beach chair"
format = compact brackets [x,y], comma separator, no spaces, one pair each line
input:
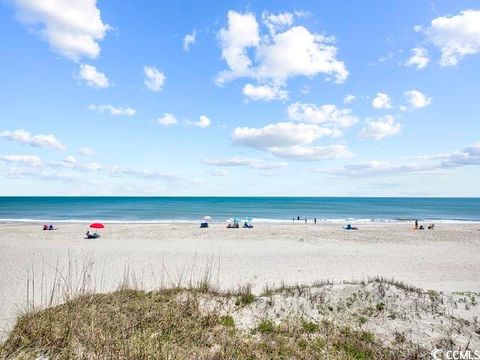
[93,236]
[247,225]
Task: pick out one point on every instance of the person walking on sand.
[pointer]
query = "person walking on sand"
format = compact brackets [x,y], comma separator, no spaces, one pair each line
[416,224]
[315,221]
[305,220]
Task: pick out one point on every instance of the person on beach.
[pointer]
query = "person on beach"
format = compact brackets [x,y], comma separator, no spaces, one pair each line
[315,221]
[305,220]
[416,224]
[298,218]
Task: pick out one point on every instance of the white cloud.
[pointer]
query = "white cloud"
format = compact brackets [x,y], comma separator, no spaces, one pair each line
[381,128]
[203,122]
[70,162]
[278,55]
[277,22]
[127,111]
[85,151]
[349,98]
[419,58]
[189,40]
[25,138]
[246,162]
[297,52]
[219,173]
[416,99]
[167,119]
[403,108]
[93,77]
[378,168]
[40,174]
[265,92]
[279,135]
[241,33]
[382,101]
[289,140]
[30,160]
[466,157]
[71,27]
[168,177]
[456,36]
[328,115]
[313,153]
[154,79]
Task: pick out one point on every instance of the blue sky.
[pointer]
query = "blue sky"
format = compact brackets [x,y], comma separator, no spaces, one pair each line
[283,98]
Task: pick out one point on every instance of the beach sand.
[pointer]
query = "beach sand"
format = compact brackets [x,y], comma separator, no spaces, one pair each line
[445,259]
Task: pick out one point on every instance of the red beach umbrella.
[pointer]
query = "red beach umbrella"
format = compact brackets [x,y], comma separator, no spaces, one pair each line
[97,226]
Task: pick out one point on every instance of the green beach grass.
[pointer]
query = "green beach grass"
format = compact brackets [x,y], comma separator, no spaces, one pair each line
[169,324]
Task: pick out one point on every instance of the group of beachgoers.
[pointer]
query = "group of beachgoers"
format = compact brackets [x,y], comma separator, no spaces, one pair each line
[347,227]
[233,224]
[236,225]
[421,227]
[88,234]
[304,219]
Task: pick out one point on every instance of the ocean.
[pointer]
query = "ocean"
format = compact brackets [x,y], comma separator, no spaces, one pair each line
[260,209]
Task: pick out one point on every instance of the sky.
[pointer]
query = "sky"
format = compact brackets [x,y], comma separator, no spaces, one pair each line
[264,98]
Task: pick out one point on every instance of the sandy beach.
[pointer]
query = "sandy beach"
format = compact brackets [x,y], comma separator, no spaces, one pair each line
[445,259]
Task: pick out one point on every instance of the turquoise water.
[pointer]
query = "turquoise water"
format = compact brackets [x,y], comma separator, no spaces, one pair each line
[167,209]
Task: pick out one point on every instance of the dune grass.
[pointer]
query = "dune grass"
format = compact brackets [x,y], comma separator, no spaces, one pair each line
[168,324]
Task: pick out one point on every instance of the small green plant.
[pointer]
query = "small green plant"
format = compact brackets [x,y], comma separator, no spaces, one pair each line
[319,344]
[310,327]
[245,299]
[355,351]
[367,337]
[227,321]
[362,320]
[380,306]
[266,327]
